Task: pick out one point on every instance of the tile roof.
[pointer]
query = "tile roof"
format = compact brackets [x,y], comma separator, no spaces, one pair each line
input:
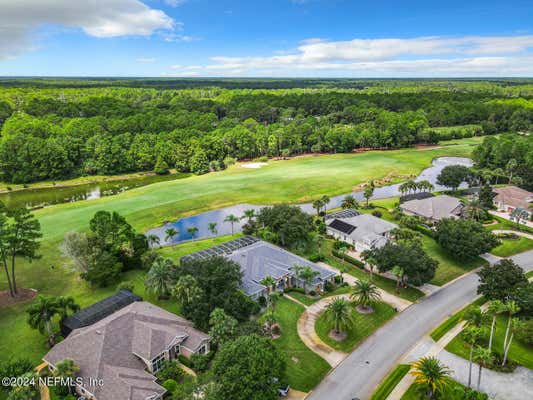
[436,208]
[367,229]
[514,196]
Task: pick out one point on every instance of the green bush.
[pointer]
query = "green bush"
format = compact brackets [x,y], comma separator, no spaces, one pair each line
[348,259]
[185,361]
[126,285]
[263,159]
[316,257]
[294,289]
[200,362]
[525,335]
[170,370]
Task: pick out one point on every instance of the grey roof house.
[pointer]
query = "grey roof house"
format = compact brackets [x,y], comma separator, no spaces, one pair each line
[363,231]
[434,208]
[119,354]
[259,259]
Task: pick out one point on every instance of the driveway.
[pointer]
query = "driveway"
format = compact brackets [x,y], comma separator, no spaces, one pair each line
[360,373]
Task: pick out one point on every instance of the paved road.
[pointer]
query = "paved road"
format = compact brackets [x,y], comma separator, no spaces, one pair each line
[369,364]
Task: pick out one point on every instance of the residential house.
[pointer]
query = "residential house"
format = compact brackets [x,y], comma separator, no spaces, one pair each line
[119,354]
[434,209]
[509,198]
[259,259]
[363,231]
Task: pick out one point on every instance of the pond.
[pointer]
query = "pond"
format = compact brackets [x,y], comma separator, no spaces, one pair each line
[201,221]
[41,197]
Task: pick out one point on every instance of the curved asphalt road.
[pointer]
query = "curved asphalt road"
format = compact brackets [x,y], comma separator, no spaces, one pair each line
[359,374]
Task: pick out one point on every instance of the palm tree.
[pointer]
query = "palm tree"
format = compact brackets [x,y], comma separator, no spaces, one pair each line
[250,214]
[306,274]
[67,369]
[516,325]
[484,358]
[212,226]
[371,262]
[319,240]
[365,293]
[192,230]
[231,219]
[40,316]
[317,205]
[497,173]
[268,282]
[474,210]
[153,240]
[339,313]
[66,304]
[325,201]
[368,192]
[432,374]
[510,167]
[495,308]
[186,289]
[475,317]
[349,202]
[511,308]
[471,335]
[159,279]
[398,272]
[170,233]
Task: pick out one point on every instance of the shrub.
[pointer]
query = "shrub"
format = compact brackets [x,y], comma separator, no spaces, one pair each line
[170,385]
[262,301]
[263,159]
[185,361]
[295,289]
[525,335]
[126,285]
[338,279]
[348,259]
[316,257]
[276,330]
[200,362]
[161,167]
[328,287]
[312,293]
[377,213]
[228,161]
[170,370]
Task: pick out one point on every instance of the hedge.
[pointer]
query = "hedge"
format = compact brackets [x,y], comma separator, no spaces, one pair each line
[348,258]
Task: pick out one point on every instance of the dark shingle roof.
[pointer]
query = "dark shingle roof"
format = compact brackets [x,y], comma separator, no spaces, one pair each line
[349,212]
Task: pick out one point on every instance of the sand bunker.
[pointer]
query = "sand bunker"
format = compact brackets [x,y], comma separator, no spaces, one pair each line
[254,165]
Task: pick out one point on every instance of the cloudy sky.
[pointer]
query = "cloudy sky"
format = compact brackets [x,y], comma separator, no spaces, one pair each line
[278,38]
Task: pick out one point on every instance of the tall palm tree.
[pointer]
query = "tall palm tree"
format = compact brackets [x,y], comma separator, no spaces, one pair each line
[474,210]
[317,205]
[371,262]
[365,293]
[339,313]
[306,274]
[484,358]
[170,233]
[471,335]
[475,316]
[399,273]
[432,374]
[250,214]
[495,308]
[65,305]
[510,168]
[153,240]
[268,282]
[511,308]
[212,226]
[192,230]
[349,201]
[325,201]
[159,279]
[319,240]
[516,325]
[40,316]
[232,219]
[186,289]
[497,173]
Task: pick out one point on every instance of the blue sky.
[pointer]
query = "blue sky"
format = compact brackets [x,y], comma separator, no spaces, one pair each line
[300,38]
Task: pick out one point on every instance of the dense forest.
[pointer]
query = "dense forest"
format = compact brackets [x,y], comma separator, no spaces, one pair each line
[59,129]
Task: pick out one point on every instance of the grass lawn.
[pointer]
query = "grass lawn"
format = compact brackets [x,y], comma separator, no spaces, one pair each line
[511,247]
[308,300]
[529,274]
[305,369]
[505,224]
[449,268]
[180,250]
[297,180]
[413,392]
[390,382]
[443,328]
[519,352]
[365,324]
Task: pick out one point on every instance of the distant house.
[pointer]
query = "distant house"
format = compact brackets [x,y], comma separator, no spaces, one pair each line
[363,231]
[435,208]
[510,197]
[119,354]
[259,259]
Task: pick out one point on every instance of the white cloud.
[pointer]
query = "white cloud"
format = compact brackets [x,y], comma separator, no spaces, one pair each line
[175,3]
[174,37]
[146,59]
[98,18]
[424,56]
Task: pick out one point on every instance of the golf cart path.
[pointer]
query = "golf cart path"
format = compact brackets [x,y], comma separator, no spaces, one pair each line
[363,369]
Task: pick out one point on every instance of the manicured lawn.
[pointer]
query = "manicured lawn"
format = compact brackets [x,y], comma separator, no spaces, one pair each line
[365,325]
[297,180]
[449,267]
[511,247]
[505,224]
[305,369]
[413,392]
[519,352]
[308,300]
[443,328]
[180,250]
[529,274]
[390,382]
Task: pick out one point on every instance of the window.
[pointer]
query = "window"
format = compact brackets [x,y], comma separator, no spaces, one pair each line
[157,362]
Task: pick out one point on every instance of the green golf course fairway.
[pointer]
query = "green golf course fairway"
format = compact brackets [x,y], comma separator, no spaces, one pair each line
[297,180]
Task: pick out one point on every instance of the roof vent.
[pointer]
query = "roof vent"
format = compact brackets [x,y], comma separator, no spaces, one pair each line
[98,332]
